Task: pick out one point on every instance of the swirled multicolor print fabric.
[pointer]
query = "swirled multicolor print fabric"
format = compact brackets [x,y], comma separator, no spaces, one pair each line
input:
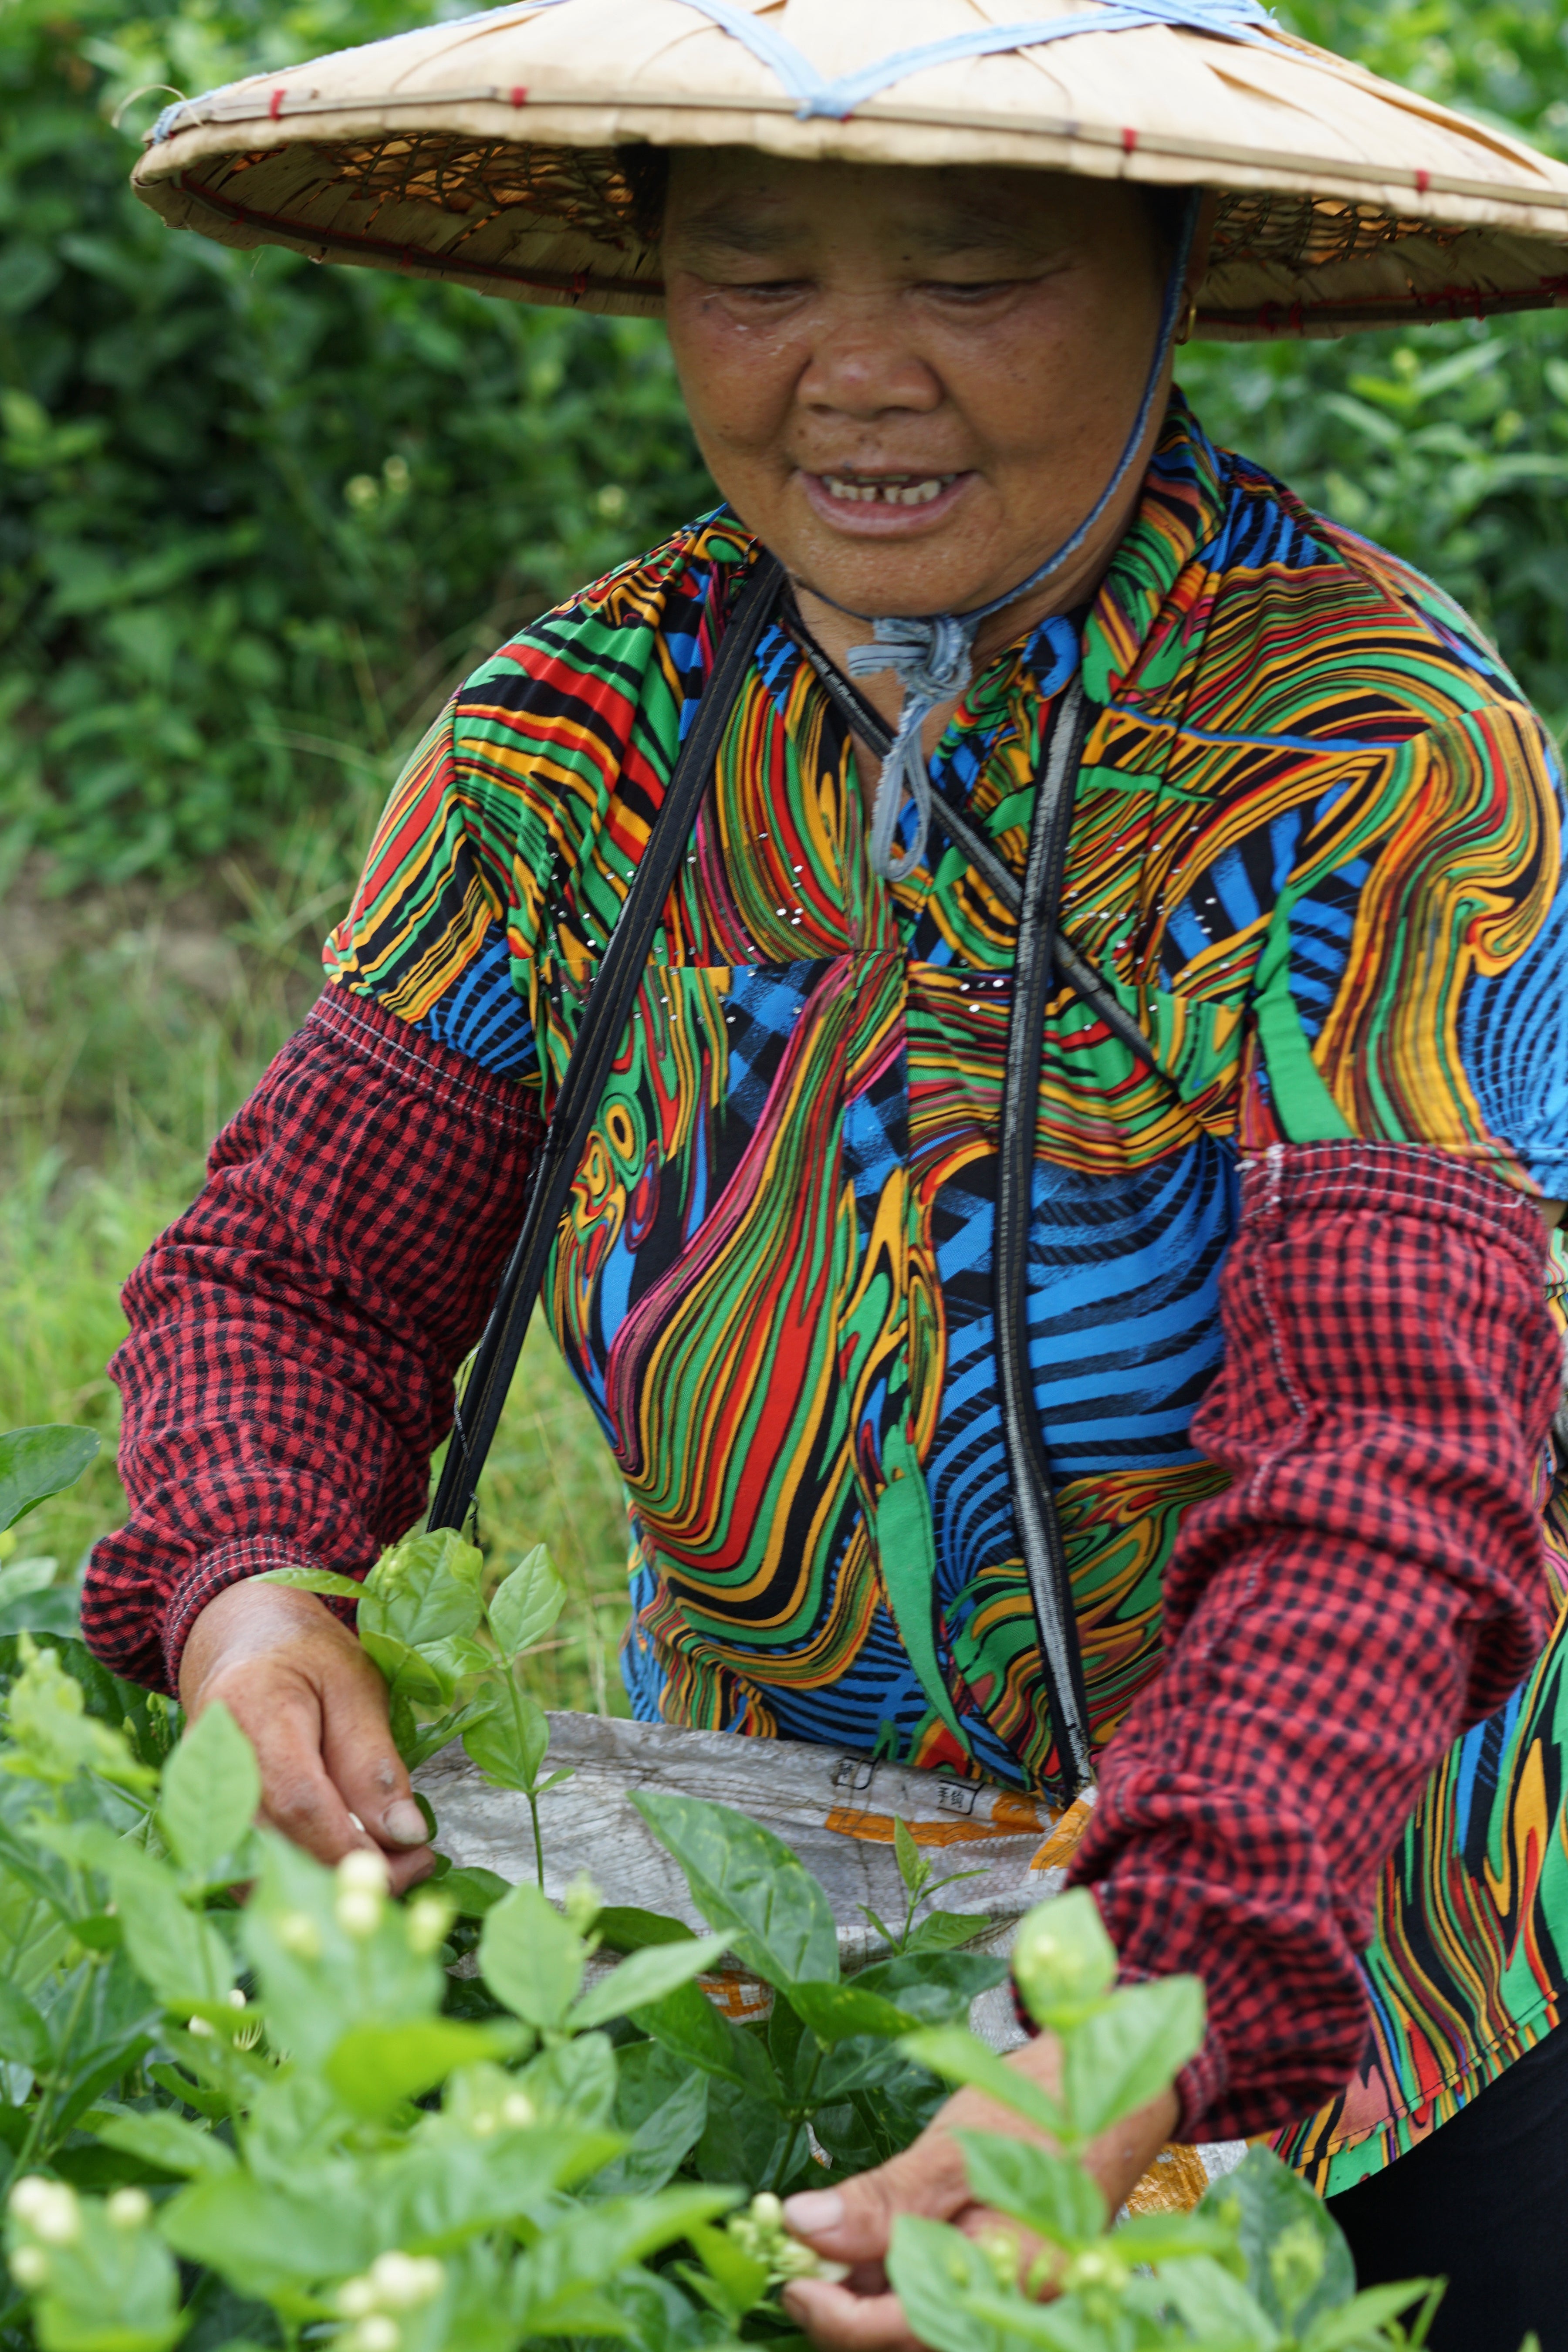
[1316,852]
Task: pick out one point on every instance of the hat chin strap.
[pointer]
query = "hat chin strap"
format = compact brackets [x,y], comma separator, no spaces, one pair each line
[933,656]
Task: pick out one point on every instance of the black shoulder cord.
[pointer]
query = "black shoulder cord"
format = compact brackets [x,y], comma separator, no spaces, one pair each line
[1043,957]
[603,1026]
[1034,1498]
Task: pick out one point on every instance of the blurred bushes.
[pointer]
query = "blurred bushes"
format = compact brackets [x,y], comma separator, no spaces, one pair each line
[254,517]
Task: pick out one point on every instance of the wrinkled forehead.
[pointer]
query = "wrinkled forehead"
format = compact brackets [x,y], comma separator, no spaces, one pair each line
[734,199]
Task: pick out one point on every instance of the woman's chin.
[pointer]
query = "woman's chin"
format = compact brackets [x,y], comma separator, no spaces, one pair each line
[940,557]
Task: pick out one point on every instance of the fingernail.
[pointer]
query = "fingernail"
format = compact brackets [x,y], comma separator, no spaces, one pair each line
[814,2213]
[404,1823]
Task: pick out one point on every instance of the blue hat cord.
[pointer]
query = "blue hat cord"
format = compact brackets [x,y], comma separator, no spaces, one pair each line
[933,656]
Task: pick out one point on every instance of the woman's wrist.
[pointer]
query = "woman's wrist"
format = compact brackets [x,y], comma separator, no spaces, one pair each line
[244,1620]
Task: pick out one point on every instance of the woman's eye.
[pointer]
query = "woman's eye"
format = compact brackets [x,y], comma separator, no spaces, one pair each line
[965,290]
[768,289]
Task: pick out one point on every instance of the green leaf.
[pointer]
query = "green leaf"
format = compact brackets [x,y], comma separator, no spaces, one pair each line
[574,2078]
[943,1931]
[508,1741]
[425,1589]
[474,1891]
[749,1885]
[646,1976]
[110,2290]
[914,1867]
[663,2135]
[24,2037]
[55,1736]
[624,1928]
[37,1463]
[436,2191]
[962,2057]
[422,1675]
[936,1987]
[266,2240]
[316,1978]
[687,2023]
[190,2093]
[937,2273]
[574,2260]
[1051,2194]
[210,1793]
[166,2141]
[835,2011]
[522,1609]
[375,2067]
[54,1610]
[864,2061]
[1171,2237]
[1263,2201]
[1216,2305]
[1062,1955]
[740,2280]
[1132,2050]
[1354,2322]
[314,1580]
[530,1960]
[176,1951]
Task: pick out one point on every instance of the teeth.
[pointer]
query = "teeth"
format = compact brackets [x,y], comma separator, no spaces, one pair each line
[904,493]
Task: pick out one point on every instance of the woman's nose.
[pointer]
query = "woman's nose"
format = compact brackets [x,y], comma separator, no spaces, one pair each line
[863,363]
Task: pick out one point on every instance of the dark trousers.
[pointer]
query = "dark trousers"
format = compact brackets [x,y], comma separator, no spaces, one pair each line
[1484,2203]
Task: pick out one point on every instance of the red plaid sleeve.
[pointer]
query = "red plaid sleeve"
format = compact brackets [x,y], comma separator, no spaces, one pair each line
[1372,1582]
[294,1336]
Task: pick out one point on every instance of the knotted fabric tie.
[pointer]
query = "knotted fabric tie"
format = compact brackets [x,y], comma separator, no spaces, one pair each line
[933,660]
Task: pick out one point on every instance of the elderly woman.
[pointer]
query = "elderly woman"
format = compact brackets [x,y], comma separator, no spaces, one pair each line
[1056,1234]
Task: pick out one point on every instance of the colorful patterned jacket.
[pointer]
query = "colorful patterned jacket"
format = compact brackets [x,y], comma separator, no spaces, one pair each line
[1316,851]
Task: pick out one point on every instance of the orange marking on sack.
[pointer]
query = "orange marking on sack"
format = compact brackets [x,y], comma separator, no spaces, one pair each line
[1010,1817]
[1065,1838]
[742,1999]
[1173,2183]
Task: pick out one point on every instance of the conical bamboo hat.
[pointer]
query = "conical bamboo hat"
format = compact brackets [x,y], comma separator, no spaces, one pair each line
[493,150]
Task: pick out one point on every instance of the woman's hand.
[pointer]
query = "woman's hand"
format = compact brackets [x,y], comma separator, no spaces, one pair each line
[853,2224]
[314,1708]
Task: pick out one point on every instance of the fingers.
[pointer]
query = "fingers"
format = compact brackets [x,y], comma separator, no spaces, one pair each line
[280,1714]
[368,1773]
[852,2222]
[313,1707]
[840,2321]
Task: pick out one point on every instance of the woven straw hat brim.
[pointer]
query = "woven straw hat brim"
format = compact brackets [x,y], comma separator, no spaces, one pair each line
[485,152]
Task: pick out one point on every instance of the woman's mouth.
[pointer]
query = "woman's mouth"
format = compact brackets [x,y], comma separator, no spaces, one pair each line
[892,489]
[880,501]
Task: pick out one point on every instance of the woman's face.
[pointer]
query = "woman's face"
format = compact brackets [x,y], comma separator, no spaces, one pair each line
[910,384]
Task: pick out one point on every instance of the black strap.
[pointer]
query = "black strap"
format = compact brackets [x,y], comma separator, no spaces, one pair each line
[1034,1498]
[603,1022]
[1043,958]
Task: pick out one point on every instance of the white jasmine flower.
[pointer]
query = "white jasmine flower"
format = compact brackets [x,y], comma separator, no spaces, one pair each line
[48,2208]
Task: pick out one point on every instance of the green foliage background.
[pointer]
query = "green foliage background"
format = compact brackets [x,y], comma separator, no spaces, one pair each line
[254,517]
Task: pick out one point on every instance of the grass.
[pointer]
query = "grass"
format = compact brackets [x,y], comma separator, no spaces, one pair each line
[130,1028]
